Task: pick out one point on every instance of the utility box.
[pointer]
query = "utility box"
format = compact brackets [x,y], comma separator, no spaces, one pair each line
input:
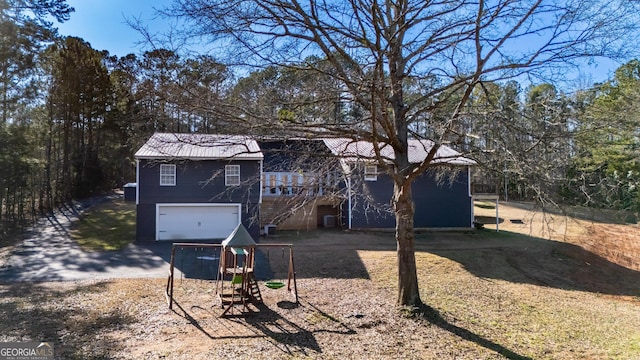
[130,191]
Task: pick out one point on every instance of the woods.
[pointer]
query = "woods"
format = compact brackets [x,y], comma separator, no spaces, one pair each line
[384,72]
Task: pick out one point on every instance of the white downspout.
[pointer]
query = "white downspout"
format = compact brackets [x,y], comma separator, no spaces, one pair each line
[349,199]
[261,184]
[137,182]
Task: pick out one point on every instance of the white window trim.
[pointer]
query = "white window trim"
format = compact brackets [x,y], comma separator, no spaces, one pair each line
[171,171]
[371,173]
[228,175]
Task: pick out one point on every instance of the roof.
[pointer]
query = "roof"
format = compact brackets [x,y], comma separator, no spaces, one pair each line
[199,147]
[353,150]
[240,237]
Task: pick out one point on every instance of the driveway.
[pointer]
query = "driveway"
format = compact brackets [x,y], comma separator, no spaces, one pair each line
[49,254]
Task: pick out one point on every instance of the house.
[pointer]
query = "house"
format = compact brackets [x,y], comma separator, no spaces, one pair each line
[196,186]
[301,184]
[439,202]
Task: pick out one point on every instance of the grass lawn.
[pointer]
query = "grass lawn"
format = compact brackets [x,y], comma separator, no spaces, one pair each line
[109,226]
[507,295]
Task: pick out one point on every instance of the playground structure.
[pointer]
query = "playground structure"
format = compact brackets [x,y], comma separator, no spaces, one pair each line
[236,285]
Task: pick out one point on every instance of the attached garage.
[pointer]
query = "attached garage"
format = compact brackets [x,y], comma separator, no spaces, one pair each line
[196,221]
[197,186]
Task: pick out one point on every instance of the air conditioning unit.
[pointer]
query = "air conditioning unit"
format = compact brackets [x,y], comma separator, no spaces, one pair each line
[270,229]
[329,221]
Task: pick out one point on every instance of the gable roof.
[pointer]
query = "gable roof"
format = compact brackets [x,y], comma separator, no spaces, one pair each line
[199,147]
[240,237]
[352,150]
[237,147]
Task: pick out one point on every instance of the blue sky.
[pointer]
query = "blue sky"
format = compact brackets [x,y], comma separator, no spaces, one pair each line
[103,24]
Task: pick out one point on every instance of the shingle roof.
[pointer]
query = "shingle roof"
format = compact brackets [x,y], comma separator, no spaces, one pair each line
[352,150]
[199,147]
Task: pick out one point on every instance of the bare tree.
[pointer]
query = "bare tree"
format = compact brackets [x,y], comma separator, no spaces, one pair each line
[378,49]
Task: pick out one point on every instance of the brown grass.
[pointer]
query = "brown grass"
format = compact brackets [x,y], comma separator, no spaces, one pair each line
[489,295]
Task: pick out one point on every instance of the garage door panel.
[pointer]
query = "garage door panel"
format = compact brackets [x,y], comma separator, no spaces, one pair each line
[186,222]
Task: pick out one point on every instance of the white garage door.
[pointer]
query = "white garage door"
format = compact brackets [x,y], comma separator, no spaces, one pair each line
[196,221]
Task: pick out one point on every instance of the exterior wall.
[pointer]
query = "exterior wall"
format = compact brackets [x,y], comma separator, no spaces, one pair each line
[371,203]
[292,210]
[446,205]
[306,217]
[197,182]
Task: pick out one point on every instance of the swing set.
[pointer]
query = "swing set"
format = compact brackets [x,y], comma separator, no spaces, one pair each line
[235,284]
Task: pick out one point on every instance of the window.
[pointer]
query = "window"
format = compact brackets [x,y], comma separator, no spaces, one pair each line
[167,175]
[371,173]
[232,175]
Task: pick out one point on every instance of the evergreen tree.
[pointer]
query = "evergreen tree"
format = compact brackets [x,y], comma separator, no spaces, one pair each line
[607,163]
[79,93]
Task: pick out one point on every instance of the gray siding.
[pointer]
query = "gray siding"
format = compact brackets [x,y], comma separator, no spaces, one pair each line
[446,205]
[197,182]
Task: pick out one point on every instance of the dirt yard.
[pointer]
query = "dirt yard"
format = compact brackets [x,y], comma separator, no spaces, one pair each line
[527,292]
[605,233]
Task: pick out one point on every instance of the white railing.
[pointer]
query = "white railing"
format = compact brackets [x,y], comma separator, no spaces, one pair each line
[296,183]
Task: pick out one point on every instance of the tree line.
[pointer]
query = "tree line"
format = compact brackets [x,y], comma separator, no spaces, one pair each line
[72,117]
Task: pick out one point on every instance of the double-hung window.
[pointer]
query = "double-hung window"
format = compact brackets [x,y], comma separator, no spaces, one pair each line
[371,173]
[232,175]
[167,175]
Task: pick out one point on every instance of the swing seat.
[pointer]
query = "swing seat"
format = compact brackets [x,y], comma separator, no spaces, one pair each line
[274,284]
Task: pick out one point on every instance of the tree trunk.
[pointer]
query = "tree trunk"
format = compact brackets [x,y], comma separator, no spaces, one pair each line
[408,293]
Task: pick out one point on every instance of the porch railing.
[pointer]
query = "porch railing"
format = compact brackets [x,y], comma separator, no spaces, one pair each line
[294,183]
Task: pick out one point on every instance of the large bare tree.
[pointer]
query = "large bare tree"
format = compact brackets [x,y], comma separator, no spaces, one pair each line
[380,51]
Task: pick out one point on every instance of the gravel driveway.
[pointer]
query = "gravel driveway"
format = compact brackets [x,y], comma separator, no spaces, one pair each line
[49,254]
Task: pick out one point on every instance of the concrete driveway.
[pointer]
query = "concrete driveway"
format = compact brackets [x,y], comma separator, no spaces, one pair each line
[49,254]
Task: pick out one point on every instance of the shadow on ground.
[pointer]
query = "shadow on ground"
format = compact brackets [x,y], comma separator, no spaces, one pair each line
[313,258]
[521,259]
[202,262]
[50,255]
[285,331]
[71,329]
[434,317]
[485,253]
